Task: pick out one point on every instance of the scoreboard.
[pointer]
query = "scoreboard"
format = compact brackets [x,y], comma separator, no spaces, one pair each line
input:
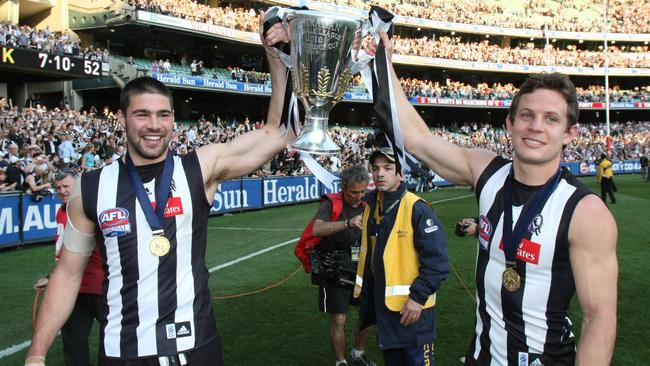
[49,63]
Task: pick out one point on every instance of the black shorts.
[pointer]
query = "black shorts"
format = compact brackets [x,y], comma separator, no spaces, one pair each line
[207,355]
[334,299]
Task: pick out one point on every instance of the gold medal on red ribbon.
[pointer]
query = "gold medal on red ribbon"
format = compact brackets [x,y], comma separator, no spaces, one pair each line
[159,245]
[511,279]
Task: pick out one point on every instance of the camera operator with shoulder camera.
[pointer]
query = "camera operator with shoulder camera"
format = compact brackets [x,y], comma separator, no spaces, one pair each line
[335,268]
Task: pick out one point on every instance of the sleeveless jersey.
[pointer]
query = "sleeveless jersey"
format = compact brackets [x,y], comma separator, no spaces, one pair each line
[154,305]
[528,327]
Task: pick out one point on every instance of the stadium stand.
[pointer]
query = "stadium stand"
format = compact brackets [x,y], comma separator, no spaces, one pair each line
[628,16]
[46,40]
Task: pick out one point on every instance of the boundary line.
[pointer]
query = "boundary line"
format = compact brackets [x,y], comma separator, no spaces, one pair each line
[451,199]
[15,348]
[249,256]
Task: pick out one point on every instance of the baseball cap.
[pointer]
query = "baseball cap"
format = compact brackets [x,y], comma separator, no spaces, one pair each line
[386,152]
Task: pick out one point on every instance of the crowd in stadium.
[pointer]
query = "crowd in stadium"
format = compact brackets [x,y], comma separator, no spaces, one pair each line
[236,18]
[455,49]
[45,40]
[35,142]
[628,16]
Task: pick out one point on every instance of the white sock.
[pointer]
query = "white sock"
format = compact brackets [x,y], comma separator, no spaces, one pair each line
[337,363]
[356,353]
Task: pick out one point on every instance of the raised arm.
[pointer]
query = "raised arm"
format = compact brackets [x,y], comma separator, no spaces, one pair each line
[458,165]
[31,182]
[592,251]
[62,288]
[249,151]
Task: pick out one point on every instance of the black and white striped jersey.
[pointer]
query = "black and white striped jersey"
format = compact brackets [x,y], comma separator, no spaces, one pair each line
[530,326]
[153,305]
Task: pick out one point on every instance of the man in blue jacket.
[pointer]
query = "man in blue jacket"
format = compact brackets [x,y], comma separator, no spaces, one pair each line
[402,262]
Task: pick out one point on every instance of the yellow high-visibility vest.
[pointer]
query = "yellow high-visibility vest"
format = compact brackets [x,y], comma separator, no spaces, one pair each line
[401,262]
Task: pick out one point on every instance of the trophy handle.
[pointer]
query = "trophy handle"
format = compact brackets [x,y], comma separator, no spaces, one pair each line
[273,15]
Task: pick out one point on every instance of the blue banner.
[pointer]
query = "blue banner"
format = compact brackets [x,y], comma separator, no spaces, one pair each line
[39,218]
[207,82]
[620,167]
[287,190]
[234,86]
[9,220]
[237,195]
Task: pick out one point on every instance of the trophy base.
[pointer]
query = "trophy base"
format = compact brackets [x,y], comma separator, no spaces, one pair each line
[315,142]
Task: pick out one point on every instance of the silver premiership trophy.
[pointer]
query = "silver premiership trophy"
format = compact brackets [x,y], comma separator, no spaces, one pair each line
[322,66]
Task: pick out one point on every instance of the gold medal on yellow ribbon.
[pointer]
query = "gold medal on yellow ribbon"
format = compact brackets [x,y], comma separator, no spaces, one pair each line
[511,279]
[159,245]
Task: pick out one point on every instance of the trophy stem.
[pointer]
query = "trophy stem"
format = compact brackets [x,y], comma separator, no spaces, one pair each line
[314,139]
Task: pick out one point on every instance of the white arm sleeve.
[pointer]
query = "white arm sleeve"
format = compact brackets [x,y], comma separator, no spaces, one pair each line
[78,242]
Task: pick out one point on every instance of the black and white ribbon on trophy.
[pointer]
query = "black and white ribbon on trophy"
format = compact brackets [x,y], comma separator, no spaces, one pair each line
[378,81]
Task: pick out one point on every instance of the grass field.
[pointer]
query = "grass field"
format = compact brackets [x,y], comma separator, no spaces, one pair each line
[282,326]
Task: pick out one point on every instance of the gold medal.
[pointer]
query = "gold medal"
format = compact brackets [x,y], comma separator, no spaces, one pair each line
[511,279]
[159,245]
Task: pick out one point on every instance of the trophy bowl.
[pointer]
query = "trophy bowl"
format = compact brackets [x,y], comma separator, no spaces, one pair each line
[321,58]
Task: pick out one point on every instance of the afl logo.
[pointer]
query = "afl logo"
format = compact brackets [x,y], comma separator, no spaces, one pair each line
[114,222]
[584,168]
[485,231]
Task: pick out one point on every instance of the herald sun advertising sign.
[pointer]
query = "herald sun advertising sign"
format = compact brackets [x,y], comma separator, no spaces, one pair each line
[286,190]
[237,195]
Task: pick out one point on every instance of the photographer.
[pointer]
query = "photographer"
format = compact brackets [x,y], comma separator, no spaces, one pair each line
[338,252]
